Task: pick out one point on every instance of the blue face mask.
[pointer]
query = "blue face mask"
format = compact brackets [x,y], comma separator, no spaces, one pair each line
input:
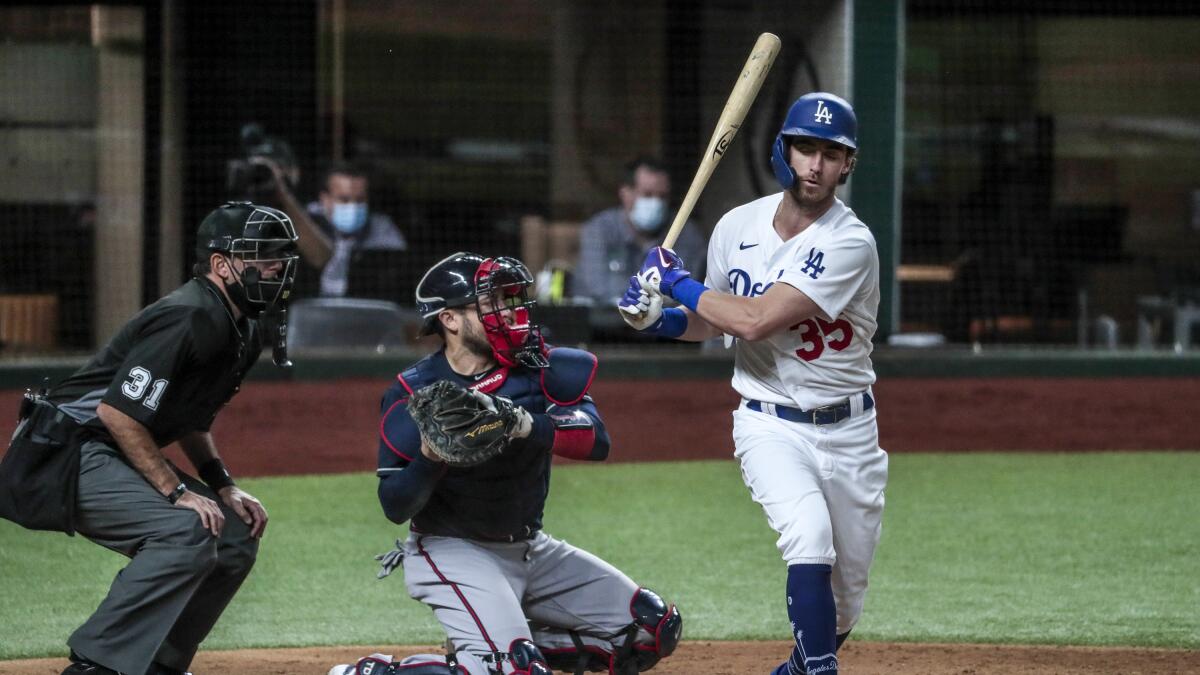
[647,213]
[349,218]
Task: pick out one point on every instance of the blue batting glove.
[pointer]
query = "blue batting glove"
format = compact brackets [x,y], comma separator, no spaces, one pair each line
[663,269]
[641,309]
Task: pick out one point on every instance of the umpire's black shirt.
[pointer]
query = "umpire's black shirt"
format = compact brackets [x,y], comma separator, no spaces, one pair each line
[171,367]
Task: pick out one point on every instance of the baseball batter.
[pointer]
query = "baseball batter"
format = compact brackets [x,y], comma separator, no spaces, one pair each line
[512,599]
[794,279]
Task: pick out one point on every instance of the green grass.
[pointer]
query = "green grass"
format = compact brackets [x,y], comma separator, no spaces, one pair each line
[1092,549]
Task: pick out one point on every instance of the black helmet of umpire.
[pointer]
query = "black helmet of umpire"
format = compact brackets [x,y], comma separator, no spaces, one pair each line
[251,233]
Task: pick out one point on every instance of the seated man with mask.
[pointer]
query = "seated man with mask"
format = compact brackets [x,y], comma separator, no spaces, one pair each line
[614,242]
[342,212]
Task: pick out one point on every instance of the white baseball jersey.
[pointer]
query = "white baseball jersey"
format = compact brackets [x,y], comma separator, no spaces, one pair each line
[824,359]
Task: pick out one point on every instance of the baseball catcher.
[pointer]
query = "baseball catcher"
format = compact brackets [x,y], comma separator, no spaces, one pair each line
[466,443]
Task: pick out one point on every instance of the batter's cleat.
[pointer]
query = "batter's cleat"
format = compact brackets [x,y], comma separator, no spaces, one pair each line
[341,669]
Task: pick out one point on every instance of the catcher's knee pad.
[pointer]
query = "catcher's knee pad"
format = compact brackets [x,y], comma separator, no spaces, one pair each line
[527,659]
[661,620]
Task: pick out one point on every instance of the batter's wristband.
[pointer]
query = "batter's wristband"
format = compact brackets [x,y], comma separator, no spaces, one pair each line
[214,474]
[688,292]
[674,322]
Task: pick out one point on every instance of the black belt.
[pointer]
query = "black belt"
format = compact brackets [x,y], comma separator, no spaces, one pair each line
[830,414]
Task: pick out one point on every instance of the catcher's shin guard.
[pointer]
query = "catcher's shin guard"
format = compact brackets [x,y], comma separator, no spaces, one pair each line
[661,620]
[633,652]
[527,659]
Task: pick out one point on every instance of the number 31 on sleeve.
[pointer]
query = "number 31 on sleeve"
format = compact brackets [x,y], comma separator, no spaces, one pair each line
[136,385]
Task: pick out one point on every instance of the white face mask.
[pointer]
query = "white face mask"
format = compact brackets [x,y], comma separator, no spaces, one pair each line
[647,213]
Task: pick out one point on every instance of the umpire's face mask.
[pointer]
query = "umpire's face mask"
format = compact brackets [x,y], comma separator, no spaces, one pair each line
[260,285]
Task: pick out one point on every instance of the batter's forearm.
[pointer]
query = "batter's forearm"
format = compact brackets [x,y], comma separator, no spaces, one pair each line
[731,315]
[139,448]
[698,330]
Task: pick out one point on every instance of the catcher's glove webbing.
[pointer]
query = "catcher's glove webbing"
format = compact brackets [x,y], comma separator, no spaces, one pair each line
[463,427]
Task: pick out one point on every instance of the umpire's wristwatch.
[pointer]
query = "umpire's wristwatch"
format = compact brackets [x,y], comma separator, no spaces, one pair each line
[177,493]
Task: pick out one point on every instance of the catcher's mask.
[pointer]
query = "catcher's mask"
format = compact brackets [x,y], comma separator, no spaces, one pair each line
[499,287]
[502,285]
[253,234]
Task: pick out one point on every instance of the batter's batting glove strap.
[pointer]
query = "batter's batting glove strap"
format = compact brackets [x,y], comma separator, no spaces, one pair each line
[389,561]
[674,323]
[688,292]
[214,474]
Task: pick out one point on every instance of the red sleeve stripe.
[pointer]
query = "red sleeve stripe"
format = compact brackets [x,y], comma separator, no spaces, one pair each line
[400,377]
[457,591]
[574,443]
[383,422]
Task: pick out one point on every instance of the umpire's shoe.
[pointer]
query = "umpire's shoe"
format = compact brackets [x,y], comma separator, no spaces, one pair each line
[81,666]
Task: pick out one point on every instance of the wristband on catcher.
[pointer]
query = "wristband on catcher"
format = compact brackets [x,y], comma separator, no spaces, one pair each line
[214,474]
[671,324]
[688,292]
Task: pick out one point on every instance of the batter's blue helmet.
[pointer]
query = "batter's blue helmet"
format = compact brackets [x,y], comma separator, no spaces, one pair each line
[816,115]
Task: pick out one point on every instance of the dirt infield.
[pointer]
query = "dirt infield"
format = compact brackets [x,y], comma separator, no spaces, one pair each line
[748,658]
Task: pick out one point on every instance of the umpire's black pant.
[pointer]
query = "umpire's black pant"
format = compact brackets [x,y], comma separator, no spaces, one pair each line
[169,596]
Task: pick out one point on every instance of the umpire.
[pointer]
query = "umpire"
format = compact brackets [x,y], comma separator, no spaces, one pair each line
[161,380]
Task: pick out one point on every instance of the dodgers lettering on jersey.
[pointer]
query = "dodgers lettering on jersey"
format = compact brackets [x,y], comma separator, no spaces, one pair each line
[821,360]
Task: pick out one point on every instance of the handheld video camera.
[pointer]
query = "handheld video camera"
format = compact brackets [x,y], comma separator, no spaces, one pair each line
[249,180]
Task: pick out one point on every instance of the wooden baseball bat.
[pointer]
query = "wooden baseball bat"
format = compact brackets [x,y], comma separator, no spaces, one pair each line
[744,90]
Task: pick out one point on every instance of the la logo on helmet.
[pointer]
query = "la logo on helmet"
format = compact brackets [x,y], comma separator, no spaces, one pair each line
[823,114]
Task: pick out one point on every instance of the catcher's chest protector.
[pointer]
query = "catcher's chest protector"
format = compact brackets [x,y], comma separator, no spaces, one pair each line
[503,498]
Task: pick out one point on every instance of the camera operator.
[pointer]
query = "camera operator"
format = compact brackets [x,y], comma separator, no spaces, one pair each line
[268,174]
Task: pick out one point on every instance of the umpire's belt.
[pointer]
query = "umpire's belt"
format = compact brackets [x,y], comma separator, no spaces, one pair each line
[830,414]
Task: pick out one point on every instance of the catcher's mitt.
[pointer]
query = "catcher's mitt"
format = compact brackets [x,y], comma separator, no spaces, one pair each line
[461,426]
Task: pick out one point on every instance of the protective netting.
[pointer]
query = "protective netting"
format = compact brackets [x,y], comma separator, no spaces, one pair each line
[1051,169]
[1051,151]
